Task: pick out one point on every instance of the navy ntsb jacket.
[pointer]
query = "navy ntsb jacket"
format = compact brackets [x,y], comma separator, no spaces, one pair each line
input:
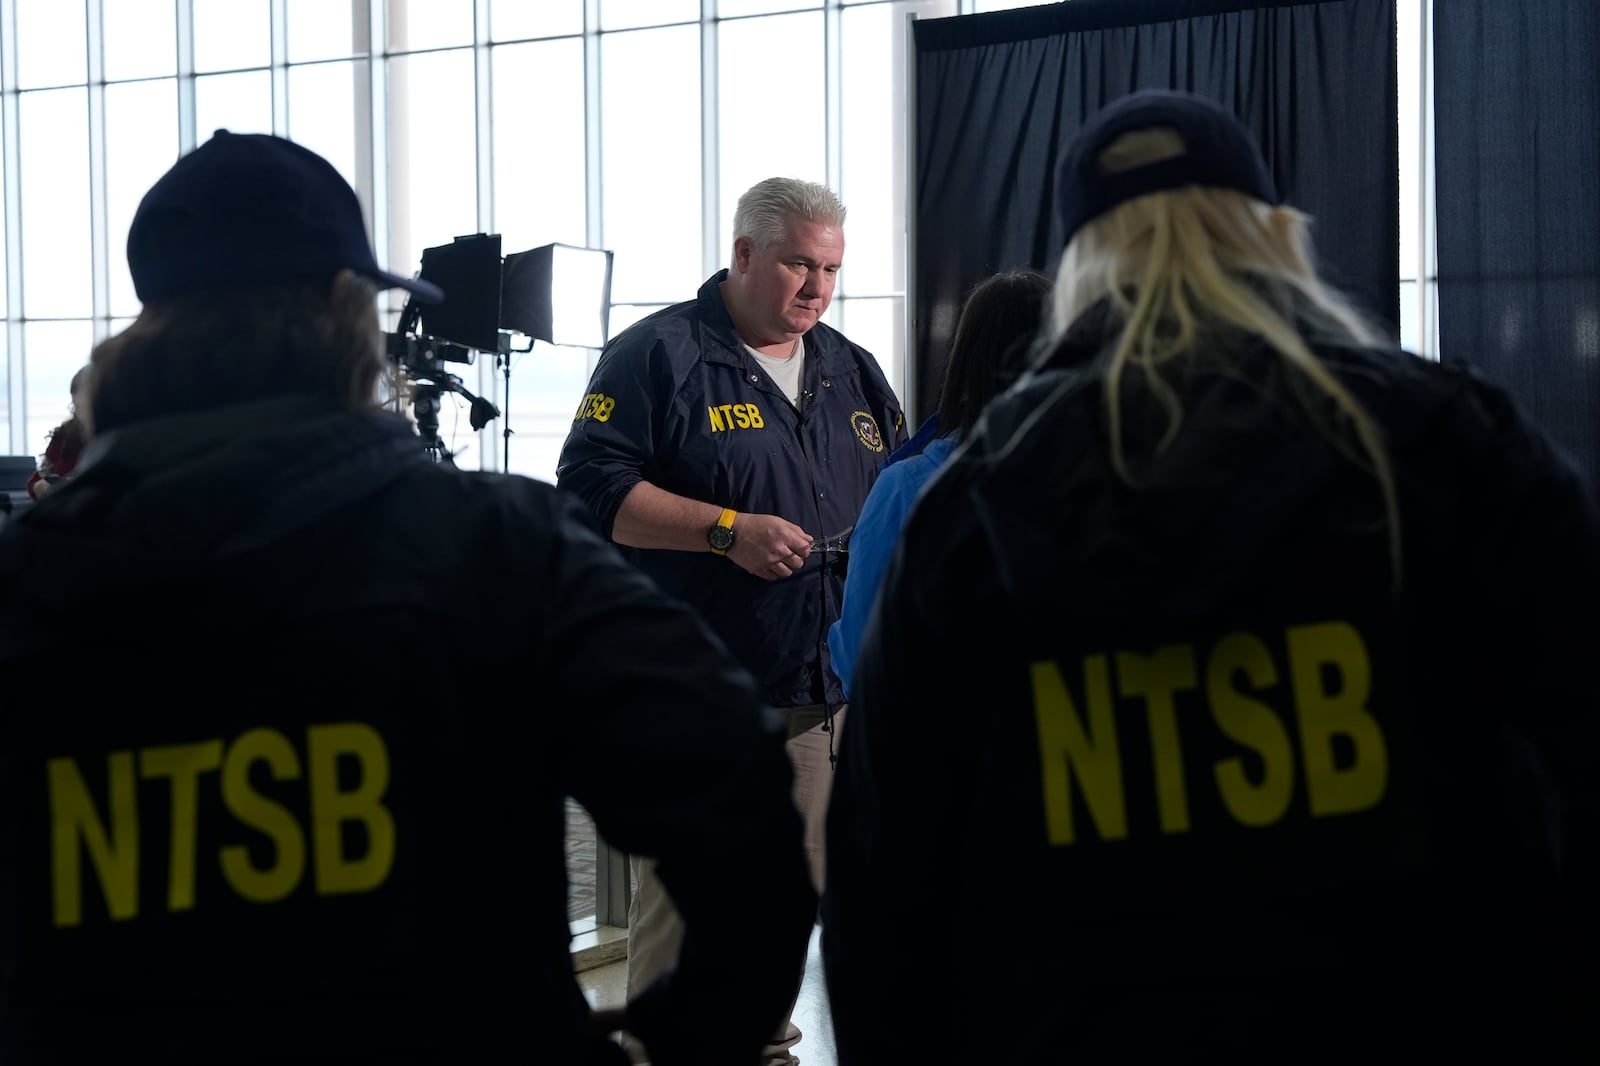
[677,401]
[320,838]
[1257,804]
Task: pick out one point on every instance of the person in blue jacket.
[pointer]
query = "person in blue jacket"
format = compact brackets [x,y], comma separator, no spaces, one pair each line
[1238,667]
[721,439]
[999,318]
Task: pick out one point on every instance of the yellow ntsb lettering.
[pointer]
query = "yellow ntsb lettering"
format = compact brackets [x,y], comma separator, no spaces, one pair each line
[270,819]
[596,405]
[114,854]
[1325,714]
[182,764]
[112,839]
[735,416]
[1250,724]
[336,871]
[1328,682]
[1157,679]
[1067,747]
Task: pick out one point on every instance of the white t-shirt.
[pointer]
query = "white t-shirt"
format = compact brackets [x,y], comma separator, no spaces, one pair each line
[788,373]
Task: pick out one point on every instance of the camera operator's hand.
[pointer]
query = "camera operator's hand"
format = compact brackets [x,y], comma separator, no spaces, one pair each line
[768,546]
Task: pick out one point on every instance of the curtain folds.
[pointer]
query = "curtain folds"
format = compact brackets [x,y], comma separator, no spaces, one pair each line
[1517,163]
[998,96]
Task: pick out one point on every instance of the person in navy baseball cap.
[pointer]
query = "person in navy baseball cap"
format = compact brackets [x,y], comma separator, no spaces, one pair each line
[195,630]
[1214,464]
[251,209]
[258,279]
[1218,152]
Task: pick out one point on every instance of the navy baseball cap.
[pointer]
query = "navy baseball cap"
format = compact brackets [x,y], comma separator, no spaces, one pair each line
[251,209]
[1218,152]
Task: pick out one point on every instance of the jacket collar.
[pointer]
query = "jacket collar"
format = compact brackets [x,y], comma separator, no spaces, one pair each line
[926,434]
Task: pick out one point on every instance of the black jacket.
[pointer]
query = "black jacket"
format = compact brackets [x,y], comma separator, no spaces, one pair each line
[288,719]
[1194,782]
[678,402]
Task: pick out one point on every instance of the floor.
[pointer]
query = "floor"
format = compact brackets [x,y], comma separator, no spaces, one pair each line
[605,987]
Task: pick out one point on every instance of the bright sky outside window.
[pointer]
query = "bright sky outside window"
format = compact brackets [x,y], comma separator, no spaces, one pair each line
[644,131]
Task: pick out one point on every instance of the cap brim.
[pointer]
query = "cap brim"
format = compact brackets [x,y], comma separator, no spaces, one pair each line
[426,291]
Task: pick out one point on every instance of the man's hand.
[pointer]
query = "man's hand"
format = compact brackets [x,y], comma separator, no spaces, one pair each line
[768,546]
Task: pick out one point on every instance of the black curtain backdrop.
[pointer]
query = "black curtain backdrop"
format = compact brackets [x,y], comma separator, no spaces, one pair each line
[1517,163]
[998,96]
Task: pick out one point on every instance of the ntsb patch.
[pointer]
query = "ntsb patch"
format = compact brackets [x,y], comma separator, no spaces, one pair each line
[866,428]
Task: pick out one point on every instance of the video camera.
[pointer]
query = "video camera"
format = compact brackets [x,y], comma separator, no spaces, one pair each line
[466,322]
[555,293]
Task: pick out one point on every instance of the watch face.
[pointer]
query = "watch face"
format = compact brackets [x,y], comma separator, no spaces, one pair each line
[721,538]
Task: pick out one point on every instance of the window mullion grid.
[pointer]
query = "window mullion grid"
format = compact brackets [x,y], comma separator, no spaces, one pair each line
[594,155]
[833,133]
[711,252]
[10,103]
[279,29]
[188,135]
[1428,275]
[375,142]
[489,437]
[99,225]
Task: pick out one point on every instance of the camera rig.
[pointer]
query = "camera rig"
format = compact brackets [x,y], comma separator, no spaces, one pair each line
[422,359]
[555,293]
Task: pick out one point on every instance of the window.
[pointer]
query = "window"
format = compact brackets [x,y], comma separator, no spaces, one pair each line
[241,103]
[651,156]
[231,35]
[54,226]
[141,143]
[433,185]
[139,39]
[635,132]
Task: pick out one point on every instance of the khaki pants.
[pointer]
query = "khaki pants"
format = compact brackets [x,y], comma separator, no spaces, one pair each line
[654,930]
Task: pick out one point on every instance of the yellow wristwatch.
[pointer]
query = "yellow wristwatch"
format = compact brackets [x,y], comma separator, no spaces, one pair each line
[720,536]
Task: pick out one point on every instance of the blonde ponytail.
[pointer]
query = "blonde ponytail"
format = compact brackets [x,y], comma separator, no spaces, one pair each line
[1175,264]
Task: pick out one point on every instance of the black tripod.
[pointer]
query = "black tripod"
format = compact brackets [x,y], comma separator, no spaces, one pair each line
[429,382]
[425,407]
[423,358]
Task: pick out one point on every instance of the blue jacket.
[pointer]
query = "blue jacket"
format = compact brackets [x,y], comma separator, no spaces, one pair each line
[677,401]
[876,533]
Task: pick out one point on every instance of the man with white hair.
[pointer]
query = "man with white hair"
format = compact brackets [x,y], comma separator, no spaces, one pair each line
[730,441]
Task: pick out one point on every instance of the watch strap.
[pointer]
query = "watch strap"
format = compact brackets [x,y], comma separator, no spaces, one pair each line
[725,521]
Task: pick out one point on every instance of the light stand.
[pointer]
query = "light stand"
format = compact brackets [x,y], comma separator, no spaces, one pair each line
[503,361]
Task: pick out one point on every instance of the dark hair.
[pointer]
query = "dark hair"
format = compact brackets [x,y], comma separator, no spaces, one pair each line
[197,352]
[1002,313]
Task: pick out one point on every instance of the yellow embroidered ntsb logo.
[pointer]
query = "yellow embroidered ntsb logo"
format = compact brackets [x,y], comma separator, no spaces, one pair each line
[735,416]
[205,775]
[1341,755]
[596,405]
